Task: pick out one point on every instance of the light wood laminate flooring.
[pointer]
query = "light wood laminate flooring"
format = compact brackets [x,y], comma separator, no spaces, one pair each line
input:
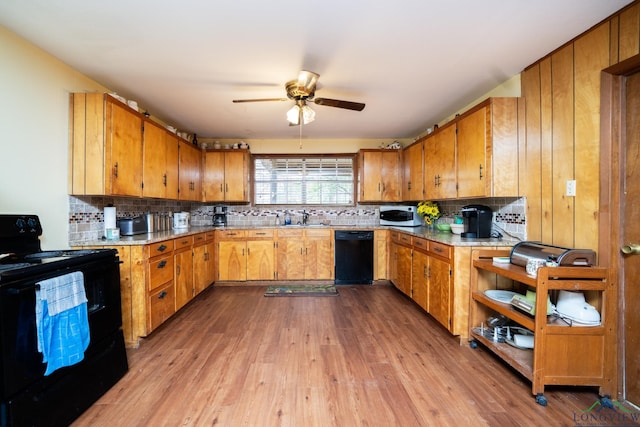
[368,357]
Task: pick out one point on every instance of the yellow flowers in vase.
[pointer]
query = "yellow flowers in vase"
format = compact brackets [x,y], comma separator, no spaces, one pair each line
[429,211]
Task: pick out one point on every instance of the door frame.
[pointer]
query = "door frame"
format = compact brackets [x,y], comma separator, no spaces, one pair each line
[612,143]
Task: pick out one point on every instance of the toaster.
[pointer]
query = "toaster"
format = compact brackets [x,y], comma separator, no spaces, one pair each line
[133,225]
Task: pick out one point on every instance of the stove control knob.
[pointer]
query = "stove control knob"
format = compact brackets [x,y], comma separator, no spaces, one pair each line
[20,223]
[33,224]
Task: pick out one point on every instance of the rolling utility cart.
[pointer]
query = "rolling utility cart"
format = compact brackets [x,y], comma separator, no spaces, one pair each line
[562,354]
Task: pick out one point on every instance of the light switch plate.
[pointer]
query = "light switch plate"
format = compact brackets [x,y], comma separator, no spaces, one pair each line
[571,188]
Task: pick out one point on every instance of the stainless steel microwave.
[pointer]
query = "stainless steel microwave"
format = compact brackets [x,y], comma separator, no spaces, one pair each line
[402,216]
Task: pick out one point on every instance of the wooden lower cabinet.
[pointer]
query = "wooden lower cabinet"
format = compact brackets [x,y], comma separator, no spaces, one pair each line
[183,262]
[158,279]
[435,276]
[204,267]
[380,254]
[401,261]
[305,254]
[246,255]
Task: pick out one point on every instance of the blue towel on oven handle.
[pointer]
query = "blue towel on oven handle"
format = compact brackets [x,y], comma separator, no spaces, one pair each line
[62,320]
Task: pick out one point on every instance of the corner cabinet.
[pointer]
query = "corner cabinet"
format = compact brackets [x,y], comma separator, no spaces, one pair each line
[379,172]
[562,354]
[105,153]
[226,176]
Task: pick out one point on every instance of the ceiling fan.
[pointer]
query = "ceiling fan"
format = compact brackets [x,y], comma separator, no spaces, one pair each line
[302,90]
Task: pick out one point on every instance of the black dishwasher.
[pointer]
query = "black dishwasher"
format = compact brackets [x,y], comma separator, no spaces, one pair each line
[354,257]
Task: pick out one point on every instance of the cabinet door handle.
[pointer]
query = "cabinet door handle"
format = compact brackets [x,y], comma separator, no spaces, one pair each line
[260,233]
[178,270]
[221,188]
[162,248]
[480,172]
[424,271]
[164,179]
[429,272]
[162,294]
[115,170]
[226,188]
[162,264]
[437,249]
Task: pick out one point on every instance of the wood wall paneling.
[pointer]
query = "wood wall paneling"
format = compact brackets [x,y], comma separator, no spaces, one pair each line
[563,160]
[629,32]
[530,82]
[546,146]
[591,55]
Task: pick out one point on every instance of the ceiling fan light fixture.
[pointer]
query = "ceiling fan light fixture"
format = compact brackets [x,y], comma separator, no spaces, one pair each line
[297,112]
[293,115]
[308,115]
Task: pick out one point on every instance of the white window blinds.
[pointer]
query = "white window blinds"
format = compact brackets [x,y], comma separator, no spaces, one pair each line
[303,181]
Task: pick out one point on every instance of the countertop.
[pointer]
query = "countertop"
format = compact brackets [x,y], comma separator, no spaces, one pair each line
[425,232]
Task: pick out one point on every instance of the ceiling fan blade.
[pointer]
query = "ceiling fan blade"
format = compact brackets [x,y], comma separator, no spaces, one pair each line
[261,100]
[347,105]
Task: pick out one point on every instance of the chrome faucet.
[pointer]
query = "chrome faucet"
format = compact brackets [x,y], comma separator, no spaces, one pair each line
[305,217]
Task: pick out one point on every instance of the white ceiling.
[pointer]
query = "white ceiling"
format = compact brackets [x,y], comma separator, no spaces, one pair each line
[413,62]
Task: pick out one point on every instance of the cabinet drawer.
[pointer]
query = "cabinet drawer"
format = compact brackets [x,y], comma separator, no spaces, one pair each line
[260,233]
[440,249]
[183,242]
[318,234]
[162,305]
[209,235]
[160,248]
[290,234]
[420,243]
[160,271]
[401,238]
[231,234]
[199,238]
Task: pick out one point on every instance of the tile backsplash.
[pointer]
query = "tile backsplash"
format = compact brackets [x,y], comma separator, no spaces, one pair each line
[86,214]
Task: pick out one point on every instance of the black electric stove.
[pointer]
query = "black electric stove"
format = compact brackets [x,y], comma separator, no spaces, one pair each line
[27,395]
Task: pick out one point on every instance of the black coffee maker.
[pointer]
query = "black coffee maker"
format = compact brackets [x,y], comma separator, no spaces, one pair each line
[477,221]
[219,216]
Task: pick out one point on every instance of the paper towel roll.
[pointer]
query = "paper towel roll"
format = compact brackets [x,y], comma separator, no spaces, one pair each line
[109,218]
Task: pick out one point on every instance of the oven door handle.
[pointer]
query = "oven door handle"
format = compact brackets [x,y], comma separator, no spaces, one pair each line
[20,291]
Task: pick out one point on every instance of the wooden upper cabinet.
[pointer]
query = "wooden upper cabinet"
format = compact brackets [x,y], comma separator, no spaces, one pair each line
[236,173]
[487,150]
[189,172]
[472,159]
[440,164]
[160,163]
[124,130]
[412,176]
[380,175]
[105,147]
[226,176]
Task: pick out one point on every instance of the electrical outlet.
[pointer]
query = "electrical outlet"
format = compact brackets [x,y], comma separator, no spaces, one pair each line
[571,187]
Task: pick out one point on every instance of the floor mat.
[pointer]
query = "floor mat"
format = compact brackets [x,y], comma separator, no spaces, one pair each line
[301,290]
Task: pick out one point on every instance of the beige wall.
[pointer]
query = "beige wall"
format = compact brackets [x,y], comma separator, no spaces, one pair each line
[34,105]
